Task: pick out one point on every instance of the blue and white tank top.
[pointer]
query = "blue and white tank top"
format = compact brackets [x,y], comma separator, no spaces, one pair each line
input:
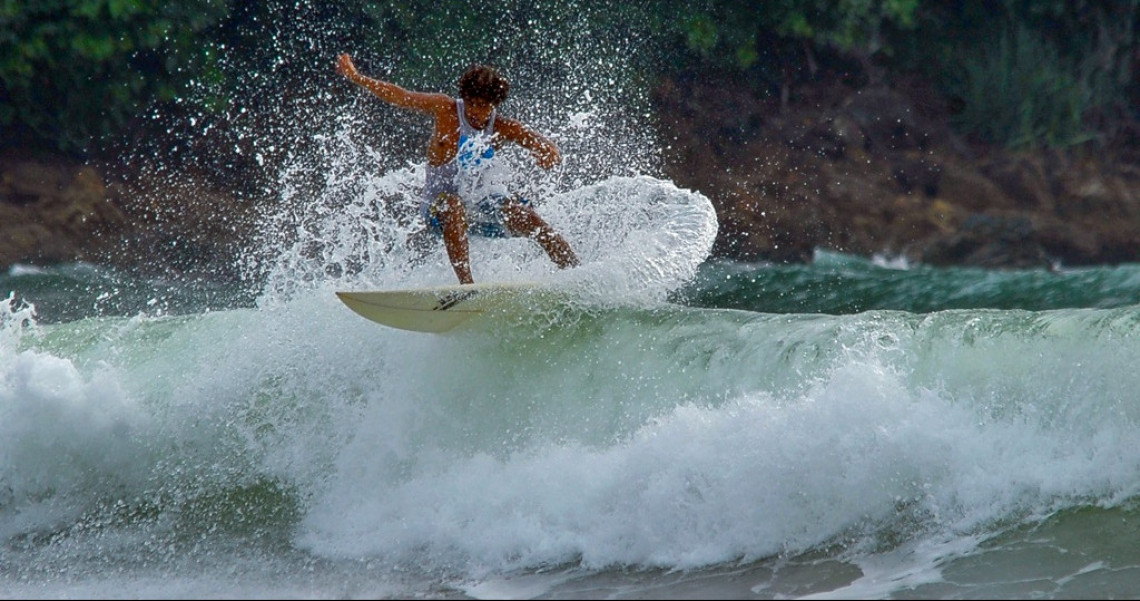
[474,144]
[471,174]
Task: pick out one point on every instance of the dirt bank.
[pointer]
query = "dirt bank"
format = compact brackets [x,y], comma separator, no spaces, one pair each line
[870,171]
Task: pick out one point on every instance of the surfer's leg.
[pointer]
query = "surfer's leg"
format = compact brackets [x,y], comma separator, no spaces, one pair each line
[449,210]
[524,221]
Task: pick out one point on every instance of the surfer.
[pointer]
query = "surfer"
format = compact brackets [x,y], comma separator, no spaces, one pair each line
[460,195]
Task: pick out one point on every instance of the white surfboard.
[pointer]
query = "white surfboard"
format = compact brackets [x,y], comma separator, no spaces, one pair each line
[441,308]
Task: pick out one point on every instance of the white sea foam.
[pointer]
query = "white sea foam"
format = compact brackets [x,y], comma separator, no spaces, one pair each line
[672,438]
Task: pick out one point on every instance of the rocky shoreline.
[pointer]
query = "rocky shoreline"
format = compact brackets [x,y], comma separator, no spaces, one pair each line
[56,209]
[879,172]
[866,172]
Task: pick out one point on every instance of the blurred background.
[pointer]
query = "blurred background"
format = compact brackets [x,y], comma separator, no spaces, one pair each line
[999,134]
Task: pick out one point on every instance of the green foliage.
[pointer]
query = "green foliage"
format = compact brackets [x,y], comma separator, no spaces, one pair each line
[727,31]
[1020,91]
[422,44]
[1033,73]
[75,70]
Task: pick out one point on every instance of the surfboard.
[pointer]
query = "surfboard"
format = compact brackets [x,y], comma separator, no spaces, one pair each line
[441,308]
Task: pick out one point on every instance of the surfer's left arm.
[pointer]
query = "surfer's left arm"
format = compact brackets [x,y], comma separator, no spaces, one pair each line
[544,150]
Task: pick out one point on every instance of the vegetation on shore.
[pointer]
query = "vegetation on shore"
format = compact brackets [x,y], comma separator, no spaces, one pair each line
[1020,73]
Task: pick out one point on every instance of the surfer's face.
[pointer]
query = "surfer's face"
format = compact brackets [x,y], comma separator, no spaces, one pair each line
[477,111]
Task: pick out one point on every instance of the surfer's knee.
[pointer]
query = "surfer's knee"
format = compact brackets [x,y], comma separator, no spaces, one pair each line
[449,206]
[520,219]
[449,212]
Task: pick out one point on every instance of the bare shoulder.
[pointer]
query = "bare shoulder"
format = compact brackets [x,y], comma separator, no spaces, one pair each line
[438,99]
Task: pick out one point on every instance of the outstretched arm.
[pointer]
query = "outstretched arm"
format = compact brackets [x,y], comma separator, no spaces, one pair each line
[390,92]
[544,150]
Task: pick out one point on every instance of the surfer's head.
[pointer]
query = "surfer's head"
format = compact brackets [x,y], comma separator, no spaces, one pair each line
[484,83]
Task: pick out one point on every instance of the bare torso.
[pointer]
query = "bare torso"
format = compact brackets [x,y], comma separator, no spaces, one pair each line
[444,142]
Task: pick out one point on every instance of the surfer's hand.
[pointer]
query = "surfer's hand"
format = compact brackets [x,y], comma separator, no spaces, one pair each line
[548,156]
[345,67]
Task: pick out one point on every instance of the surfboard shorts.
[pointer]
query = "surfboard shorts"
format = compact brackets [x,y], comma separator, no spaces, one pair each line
[484,216]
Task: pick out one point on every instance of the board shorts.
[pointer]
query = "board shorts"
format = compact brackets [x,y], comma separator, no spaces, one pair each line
[484,215]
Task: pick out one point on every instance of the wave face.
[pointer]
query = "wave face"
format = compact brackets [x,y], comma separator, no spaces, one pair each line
[841,284]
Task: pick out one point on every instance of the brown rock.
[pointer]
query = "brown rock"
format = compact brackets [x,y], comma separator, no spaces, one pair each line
[865,172]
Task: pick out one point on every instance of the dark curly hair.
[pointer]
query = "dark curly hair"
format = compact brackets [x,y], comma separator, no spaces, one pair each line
[483,83]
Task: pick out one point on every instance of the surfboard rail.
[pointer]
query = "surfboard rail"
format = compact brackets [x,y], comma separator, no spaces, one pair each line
[435,309]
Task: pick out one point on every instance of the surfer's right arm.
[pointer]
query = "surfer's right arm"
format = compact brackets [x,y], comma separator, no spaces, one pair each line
[390,92]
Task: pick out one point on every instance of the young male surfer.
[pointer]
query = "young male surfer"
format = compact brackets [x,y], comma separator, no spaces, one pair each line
[460,194]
